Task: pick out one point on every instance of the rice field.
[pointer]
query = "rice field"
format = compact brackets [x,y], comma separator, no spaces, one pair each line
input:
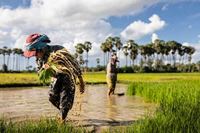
[178,106]
[31,79]
[176,94]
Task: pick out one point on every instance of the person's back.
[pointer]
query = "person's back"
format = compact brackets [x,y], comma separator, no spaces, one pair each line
[111,68]
[111,76]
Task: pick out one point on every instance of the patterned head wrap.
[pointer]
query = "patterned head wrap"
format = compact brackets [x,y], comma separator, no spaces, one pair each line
[35,42]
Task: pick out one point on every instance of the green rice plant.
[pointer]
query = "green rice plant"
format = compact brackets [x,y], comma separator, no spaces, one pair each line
[44,125]
[131,89]
[179,107]
[46,74]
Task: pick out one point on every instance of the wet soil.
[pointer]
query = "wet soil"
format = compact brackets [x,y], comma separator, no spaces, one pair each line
[92,109]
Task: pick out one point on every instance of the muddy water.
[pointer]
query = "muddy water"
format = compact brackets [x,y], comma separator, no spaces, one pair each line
[96,107]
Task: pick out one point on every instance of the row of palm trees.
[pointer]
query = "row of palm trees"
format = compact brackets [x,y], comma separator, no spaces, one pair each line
[170,52]
[159,50]
[80,48]
[6,53]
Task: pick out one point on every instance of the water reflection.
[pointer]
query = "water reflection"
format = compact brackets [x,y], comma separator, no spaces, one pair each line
[96,107]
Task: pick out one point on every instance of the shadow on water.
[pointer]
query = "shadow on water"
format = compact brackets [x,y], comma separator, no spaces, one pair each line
[96,107]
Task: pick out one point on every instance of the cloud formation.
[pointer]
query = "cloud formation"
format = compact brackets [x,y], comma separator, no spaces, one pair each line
[66,22]
[82,20]
[154,37]
[139,29]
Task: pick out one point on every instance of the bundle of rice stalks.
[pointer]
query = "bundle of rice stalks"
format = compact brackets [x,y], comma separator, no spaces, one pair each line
[46,74]
[63,62]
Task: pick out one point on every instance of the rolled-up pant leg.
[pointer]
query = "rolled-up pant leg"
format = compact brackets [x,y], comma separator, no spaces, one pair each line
[61,94]
[54,93]
[66,96]
[111,81]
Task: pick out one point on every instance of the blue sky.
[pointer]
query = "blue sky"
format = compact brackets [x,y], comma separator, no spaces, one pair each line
[68,22]
[15,3]
[182,20]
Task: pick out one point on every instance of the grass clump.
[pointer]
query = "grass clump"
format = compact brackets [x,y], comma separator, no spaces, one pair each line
[41,126]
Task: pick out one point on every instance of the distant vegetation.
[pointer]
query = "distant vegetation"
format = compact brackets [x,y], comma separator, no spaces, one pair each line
[160,56]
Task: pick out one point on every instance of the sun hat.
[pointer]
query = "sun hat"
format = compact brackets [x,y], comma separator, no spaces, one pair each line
[34,43]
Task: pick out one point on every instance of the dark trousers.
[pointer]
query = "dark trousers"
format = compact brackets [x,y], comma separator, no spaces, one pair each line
[61,94]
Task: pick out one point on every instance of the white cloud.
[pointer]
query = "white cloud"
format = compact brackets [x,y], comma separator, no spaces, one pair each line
[154,37]
[138,29]
[66,22]
[196,55]
[20,43]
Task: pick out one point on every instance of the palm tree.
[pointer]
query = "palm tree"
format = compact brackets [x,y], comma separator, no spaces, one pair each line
[125,51]
[146,52]
[190,52]
[87,46]
[149,51]
[167,50]
[1,52]
[19,53]
[14,51]
[158,45]
[27,63]
[105,50]
[4,53]
[109,44]
[9,51]
[133,48]
[81,60]
[174,48]
[118,44]
[133,54]
[181,52]
[98,61]
[79,50]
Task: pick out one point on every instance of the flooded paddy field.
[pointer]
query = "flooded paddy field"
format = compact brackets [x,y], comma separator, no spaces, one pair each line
[94,107]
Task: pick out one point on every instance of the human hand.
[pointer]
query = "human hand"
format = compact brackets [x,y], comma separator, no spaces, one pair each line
[45,66]
[81,85]
[82,88]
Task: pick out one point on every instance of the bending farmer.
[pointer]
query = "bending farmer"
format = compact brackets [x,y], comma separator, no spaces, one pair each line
[63,69]
[111,76]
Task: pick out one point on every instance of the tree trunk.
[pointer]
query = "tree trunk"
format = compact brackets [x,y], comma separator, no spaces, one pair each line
[8,59]
[3,58]
[104,61]
[126,60]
